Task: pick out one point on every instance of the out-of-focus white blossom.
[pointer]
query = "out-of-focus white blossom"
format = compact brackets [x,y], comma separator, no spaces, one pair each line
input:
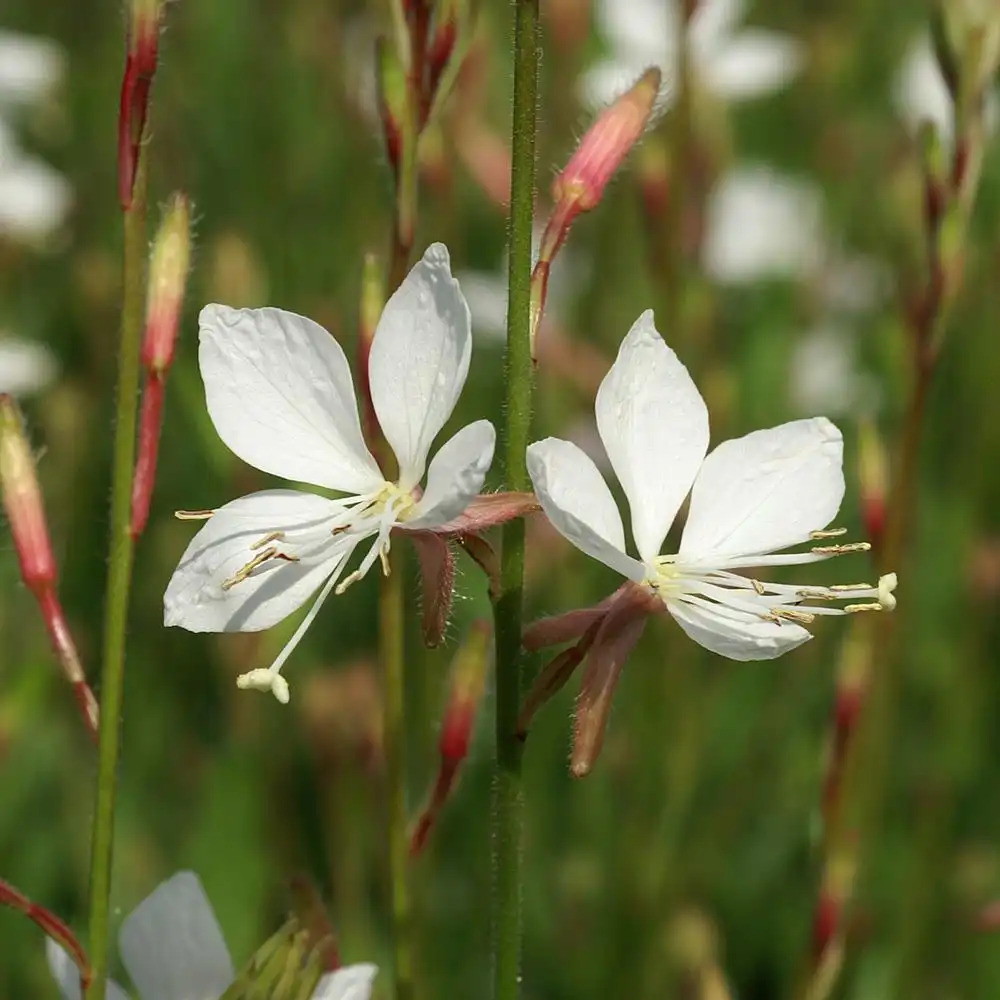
[734,63]
[762,224]
[34,198]
[25,367]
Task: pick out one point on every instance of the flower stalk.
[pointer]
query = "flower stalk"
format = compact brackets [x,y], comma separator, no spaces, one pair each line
[121,548]
[507,789]
[22,501]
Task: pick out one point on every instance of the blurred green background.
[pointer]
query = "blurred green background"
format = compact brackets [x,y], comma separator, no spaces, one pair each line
[701,819]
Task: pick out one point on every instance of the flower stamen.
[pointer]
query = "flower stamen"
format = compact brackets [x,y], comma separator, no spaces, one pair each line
[828,533]
[839,550]
[194,515]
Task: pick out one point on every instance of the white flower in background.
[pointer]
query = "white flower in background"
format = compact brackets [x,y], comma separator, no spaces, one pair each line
[922,95]
[173,949]
[25,367]
[750,498]
[734,64]
[34,198]
[826,376]
[279,392]
[762,224]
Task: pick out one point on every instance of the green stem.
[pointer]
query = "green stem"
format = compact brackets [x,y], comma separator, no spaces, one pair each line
[392,655]
[119,577]
[507,795]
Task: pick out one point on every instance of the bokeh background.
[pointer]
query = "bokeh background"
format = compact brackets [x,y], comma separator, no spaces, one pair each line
[782,280]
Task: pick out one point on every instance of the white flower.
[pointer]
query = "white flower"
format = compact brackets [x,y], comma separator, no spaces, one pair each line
[761,223]
[173,949]
[750,498]
[29,67]
[25,367]
[34,198]
[279,391]
[645,33]
[825,374]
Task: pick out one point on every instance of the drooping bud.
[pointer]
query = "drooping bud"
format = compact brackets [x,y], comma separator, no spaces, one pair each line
[581,184]
[437,579]
[22,501]
[168,271]
[52,926]
[285,967]
[465,692]
[140,67]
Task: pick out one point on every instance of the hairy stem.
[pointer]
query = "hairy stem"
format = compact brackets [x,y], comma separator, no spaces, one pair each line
[119,576]
[507,794]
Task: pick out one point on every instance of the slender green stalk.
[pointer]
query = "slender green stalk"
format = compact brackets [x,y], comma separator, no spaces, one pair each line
[392,655]
[119,577]
[507,794]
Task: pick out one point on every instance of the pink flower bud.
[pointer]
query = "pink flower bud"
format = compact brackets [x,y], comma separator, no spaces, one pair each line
[22,501]
[168,271]
[606,144]
[872,482]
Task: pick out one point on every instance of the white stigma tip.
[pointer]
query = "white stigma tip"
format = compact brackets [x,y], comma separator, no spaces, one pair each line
[886,585]
[265,680]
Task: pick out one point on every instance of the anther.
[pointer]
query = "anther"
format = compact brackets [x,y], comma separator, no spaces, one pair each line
[839,550]
[853,609]
[275,536]
[792,615]
[829,533]
[759,587]
[193,515]
[240,575]
[852,586]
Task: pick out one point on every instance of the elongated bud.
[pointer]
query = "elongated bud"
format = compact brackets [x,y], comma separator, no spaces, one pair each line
[580,186]
[872,481]
[448,17]
[393,106]
[604,147]
[140,67]
[372,302]
[22,501]
[51,925]
[465,692]
[285,967]
[168,271]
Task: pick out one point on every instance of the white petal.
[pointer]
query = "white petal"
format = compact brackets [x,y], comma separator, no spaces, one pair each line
[750,638]
[642,29]
[455,475]
[171,944]
[195,599]
[279,391]
[353,982]
[67,975]
[766,491]
[419,360]
[654,425]
[577,501]
[754,63]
